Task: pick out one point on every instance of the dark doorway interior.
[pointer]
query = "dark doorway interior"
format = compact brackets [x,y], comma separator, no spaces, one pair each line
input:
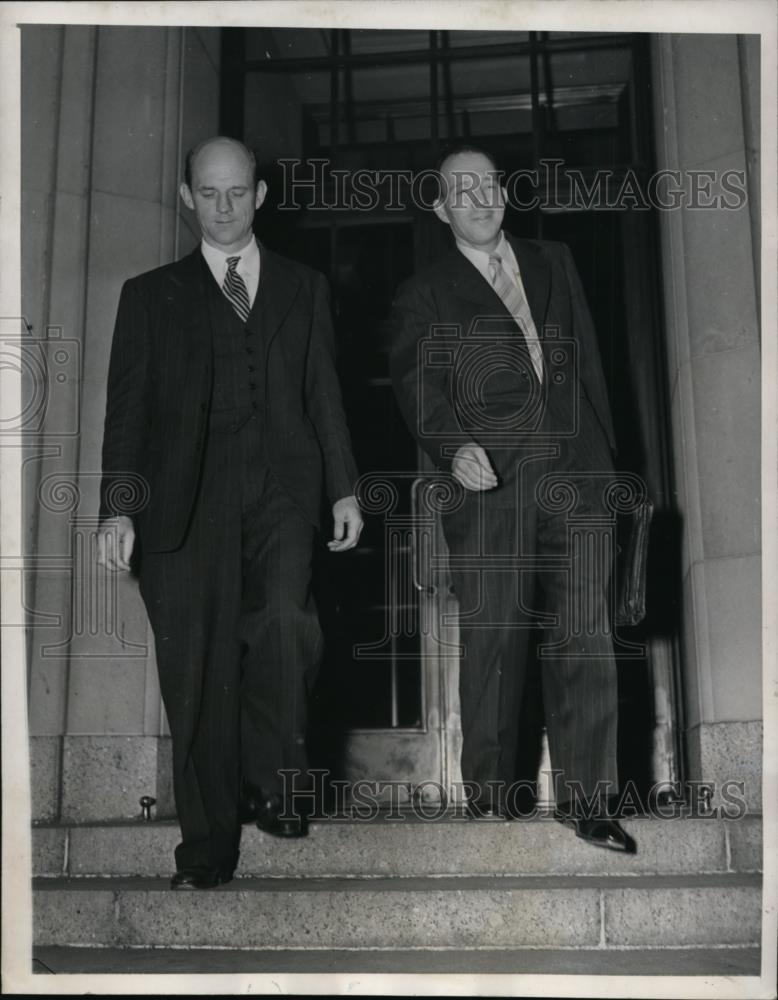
[382,100]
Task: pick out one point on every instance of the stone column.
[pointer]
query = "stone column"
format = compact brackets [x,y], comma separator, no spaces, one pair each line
[107,114]
[711,321]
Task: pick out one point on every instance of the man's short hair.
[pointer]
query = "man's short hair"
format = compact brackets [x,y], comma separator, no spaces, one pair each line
[455,148]
[194,150]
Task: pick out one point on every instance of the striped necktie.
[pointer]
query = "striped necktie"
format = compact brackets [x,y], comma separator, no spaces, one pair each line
[234,288]
[517,306]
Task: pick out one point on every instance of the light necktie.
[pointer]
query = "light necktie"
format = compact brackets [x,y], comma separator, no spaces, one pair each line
[234,288]
[517,306]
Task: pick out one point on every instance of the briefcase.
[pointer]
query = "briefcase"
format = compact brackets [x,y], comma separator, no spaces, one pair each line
[630,564]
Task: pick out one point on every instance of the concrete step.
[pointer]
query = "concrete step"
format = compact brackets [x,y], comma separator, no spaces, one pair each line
[466,912]
[464,962]
[410,847]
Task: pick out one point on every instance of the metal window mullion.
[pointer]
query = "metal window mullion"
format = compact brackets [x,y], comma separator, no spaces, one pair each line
[348,91]
[448,94]
[433,55]
[537,129]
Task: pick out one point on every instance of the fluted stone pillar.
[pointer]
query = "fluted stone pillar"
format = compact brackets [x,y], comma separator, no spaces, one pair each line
[702,86]
[107,115]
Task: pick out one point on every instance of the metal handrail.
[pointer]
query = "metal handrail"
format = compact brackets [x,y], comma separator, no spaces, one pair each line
[422,586]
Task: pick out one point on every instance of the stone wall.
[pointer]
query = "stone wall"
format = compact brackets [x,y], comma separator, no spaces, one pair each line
[706,104]
[106,115]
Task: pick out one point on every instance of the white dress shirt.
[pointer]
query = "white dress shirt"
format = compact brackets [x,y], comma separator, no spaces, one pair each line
[248,265]
[480,260]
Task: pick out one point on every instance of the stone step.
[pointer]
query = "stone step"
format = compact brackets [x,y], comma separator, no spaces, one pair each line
[413,848]
[611,911]
[488,962]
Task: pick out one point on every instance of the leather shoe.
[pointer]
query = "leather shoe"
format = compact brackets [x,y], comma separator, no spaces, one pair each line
[199,878]
[600,833]
[270,815]
[485,809]
[246,810]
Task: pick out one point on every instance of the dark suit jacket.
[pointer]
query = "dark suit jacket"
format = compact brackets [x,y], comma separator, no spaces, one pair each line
[159,392]
[461,374]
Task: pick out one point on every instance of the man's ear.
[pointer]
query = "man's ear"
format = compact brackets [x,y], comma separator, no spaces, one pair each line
[186,196]
[440,210]
[261,194]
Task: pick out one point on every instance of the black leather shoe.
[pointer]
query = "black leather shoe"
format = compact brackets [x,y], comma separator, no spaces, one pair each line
[485,809]
[601,833]
[246,810]
[271,816]
[199,878]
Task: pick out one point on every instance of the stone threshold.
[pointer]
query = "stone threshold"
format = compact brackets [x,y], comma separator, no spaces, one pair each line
[410,883]
[700,961]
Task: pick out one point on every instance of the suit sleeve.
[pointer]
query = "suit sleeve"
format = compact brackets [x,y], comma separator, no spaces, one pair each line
[592,375]
[422,388]
[123,490]
[325,402]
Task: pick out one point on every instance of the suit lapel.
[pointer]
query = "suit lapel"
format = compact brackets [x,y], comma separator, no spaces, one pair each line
[468,282]
[278,288]
[536,278]
[186,295]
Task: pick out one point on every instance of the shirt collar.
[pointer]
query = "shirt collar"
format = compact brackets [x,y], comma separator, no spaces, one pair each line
[481,257]
[249,255]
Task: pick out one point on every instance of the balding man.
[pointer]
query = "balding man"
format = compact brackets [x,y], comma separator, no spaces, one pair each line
[224,405]
[496,368]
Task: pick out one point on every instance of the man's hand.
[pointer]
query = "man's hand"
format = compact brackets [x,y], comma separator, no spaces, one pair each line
[115,540]
[348,524]
[472,468]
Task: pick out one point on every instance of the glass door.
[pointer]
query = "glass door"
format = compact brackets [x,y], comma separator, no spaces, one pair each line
[321,106]
[377,706]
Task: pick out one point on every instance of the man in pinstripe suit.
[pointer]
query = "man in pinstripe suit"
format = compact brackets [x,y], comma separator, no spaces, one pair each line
[224,410]
[496,368]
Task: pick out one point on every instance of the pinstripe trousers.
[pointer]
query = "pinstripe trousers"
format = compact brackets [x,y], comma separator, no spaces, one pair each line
[497,616]
[237,640]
